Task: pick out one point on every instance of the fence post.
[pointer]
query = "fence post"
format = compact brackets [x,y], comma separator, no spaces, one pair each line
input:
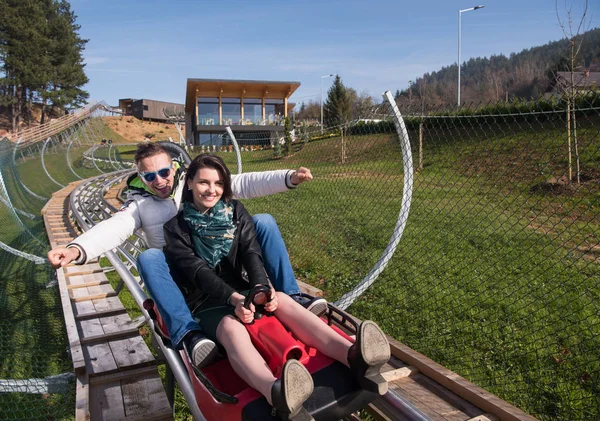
[421,145]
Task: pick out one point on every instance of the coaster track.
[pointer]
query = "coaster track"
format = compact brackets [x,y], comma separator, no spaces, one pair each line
[420,389]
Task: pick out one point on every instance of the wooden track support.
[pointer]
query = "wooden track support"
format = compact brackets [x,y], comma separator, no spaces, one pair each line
[117,378]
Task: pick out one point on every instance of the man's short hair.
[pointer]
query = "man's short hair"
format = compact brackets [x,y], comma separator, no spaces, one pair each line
[148,149]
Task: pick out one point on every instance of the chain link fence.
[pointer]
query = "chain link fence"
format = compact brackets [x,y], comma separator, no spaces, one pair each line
[36,372]
[495,273]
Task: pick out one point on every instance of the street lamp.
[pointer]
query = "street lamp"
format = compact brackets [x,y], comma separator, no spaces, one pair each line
[323,77]
[459,15]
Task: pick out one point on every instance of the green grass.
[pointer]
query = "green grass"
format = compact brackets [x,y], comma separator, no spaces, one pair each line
[495,276]
[32,340]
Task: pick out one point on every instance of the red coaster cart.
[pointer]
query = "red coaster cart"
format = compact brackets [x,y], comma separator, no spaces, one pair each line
[222,395]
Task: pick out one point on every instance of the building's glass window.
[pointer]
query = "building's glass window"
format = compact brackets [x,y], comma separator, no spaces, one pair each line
[253,111]
[209,139]
[145,108]
[232,111]
[208,111]
[274,112]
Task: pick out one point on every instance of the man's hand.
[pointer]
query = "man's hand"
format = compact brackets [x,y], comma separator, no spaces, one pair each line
[301,175]
[62,256]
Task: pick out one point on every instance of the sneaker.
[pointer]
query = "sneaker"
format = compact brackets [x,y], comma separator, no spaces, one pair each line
[202,351]
[315,305]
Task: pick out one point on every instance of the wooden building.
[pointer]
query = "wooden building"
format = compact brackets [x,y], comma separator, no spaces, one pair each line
[253,109]
[147,109]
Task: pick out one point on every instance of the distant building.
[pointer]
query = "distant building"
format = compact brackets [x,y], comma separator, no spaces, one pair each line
[253,109]
[583,82]
[147,109]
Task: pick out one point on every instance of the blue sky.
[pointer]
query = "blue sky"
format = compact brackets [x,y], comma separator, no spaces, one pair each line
[149,49]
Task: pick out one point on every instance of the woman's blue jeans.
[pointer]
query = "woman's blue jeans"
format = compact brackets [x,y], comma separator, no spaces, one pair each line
[169,300]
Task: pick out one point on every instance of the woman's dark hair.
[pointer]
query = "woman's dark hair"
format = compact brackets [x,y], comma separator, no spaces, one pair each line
[206,160]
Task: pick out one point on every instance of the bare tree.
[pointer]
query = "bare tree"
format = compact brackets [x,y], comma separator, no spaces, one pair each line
[574,32]
[310,111]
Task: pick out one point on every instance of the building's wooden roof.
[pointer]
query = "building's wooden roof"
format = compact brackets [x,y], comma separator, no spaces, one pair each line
[228,88]
[581,80]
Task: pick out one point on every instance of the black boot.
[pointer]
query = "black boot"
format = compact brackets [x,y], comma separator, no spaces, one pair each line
[289,392]
[367,355]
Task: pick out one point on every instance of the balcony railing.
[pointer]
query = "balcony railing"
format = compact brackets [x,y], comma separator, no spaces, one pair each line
[229,121]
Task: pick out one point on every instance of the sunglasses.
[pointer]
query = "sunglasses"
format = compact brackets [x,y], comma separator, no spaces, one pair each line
[151,176]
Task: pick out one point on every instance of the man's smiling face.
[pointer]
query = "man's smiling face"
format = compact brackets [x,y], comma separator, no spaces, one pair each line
[151,166]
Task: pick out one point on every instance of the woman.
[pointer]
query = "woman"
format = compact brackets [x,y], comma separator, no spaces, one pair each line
[207,245]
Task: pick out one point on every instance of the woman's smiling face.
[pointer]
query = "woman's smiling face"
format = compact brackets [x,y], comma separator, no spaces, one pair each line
[206,187]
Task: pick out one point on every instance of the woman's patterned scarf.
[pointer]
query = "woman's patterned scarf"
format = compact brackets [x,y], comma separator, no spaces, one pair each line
[212,232]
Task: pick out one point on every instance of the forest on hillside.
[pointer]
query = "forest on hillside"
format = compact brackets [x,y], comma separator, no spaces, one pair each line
[524,75]
[529,74]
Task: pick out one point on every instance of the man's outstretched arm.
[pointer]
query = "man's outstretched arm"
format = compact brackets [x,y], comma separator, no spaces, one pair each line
[99,239]
[258,184]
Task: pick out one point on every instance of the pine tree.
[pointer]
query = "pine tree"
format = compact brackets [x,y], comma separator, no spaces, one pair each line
[25,65]
[287,146]
[66,57]
[40,56]
[337,109]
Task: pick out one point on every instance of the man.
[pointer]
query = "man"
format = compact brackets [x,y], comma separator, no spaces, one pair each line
[154,198]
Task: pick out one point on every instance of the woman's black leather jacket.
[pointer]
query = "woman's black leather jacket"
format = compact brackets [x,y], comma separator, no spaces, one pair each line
[191,273]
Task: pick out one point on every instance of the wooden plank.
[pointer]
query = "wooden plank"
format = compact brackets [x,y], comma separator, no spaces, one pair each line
[108,304]
[131,352]
[377,413]
[99,358]
[309,289]
[484,417]
[99,308]
[106,402]
[89,284]
[124,375]
[164,415]
[449,396]
[62,234]
[428,402]
[399,373]
[127,352]
[82,402]
[75,280]
[72,332]
[82,269]
[476,395]
[84,272]
[109,336]
[95,296]
[102,313]
[145,397]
